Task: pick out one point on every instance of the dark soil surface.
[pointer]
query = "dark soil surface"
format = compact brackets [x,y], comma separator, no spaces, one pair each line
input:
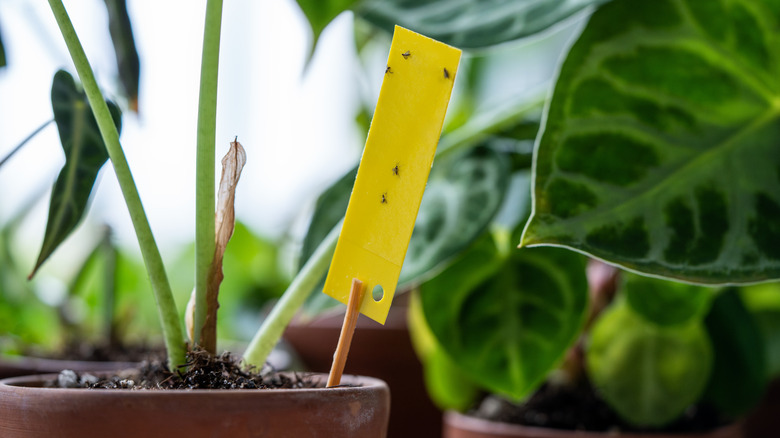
[580,408]
[203,371]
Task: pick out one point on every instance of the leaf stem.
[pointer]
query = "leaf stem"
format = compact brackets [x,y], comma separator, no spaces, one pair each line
[292,299]
[166,306]
[204,184]
[24,142]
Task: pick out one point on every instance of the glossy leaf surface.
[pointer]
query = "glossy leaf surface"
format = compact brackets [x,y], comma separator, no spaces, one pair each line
[506,318]
[660,151]
[85,154]
[648,374]
[469,24]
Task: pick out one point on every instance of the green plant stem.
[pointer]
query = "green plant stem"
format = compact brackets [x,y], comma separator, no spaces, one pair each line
[311,273]
[204,185]
[292,299]
[166,306]
[24,142]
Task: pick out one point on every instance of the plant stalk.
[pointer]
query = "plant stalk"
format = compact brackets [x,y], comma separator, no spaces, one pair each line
[292,299]
[166,306]
[205,160]
[24,142]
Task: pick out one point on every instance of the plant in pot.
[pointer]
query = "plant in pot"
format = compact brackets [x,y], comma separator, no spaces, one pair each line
[359,407]
[656,154]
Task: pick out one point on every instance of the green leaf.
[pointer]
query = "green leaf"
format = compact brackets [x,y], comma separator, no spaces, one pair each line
[85,154]
[447,385]
[664,302]
[739,373]
[128,64]
[660,146]
[507,317]
[649,374]
[321,12]
[2,53]
[471,24]
[463,194]
[763,303]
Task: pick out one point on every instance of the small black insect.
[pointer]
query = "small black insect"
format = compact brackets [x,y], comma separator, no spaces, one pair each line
[395,170]
[384,198]
[387,70]
[446,74]
[406,54]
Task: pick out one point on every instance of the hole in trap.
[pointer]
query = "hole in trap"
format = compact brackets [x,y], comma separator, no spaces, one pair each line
[378,293]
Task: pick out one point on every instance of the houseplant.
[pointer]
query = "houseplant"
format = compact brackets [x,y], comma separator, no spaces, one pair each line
[656,155]
[360,409]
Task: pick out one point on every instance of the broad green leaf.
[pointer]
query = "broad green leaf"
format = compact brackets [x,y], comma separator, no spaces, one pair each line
[321,12]
[470,24]
[85,154]
[128,64]
[660,146]
[663,302]
[506,317]
[447,386]
[739,368]
[648,374]
[463,194]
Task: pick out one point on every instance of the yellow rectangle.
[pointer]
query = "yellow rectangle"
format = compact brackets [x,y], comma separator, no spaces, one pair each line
[394,169]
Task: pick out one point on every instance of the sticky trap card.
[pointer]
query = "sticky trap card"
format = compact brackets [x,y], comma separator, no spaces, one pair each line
[394,169]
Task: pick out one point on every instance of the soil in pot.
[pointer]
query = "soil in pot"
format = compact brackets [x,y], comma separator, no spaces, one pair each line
[563,411]
[359,408]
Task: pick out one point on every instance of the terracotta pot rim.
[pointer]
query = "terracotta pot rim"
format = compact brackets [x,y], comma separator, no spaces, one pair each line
[474,424]
[24,383]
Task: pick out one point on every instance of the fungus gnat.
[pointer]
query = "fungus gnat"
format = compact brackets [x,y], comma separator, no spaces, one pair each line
[387,70]
[446,74]
[384,198]
[395,170]
[406,54]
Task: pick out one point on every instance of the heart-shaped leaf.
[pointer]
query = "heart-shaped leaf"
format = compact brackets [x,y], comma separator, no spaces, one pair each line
[85,154]
[660,151]
[649,374]
[470,24]
[507,317]
[321,12]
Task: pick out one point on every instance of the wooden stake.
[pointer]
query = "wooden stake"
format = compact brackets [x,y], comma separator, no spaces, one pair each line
[347,330]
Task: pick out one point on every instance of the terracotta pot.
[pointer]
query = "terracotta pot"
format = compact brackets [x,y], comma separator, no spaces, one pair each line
[12,366]
[384,352]
[457,425]
[28,410]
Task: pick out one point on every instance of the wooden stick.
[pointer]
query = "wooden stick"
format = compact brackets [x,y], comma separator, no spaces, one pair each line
[347,330]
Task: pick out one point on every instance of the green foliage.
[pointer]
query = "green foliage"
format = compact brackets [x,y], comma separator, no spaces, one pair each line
[2,53]
[739,350]
[321,12]
[660,147]
[648,373]
[665,303]
[128,64]
[85,154]
[763,303]
[470,24]
[447,385]
[507,317]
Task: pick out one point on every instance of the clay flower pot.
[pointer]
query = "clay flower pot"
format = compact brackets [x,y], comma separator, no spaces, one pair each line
[28,410]
[12,366]
[384,352]
[457,425]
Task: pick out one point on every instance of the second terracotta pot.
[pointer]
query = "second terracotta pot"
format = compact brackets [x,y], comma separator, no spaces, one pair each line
[27,410]
[457,425]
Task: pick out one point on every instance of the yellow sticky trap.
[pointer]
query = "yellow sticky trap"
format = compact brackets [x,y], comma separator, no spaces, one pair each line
[394,169]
